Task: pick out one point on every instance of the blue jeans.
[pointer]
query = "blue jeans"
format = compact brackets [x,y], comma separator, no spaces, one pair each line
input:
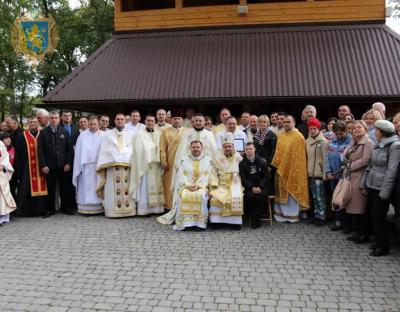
[317,187]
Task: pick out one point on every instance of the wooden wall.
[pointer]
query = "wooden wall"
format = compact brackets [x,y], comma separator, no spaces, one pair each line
[268,13]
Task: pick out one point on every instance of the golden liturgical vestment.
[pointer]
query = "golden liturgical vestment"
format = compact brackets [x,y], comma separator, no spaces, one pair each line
[291,163]
[169,142]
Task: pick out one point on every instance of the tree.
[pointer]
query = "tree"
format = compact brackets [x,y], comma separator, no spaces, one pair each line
[12,68]
[81,32]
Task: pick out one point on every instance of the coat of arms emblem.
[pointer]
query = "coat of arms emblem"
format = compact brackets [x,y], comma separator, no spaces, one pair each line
[34,37]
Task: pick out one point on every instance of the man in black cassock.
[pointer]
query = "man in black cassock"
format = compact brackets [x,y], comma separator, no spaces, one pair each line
[32,190]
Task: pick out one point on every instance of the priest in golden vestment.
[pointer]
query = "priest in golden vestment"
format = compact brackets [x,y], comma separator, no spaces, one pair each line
[291,176]
[194,179]
[209,148]
[169,142]
[146,186]
[226,200]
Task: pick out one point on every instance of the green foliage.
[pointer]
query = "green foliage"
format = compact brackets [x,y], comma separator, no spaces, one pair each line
[396,7]
[81,30]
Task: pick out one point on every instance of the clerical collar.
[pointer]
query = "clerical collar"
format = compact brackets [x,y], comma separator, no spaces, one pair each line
[120,128]
[149,130]
[161,125]
[198,129]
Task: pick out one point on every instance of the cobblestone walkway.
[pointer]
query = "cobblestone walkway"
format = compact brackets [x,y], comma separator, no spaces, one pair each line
[78,263]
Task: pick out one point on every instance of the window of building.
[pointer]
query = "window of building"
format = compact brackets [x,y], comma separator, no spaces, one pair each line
[136,5]
[194,3]
[272,1]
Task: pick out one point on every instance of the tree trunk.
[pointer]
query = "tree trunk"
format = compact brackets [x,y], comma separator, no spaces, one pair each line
[11,86]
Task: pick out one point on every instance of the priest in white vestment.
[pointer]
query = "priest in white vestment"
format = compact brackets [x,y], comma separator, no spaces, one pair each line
[209,148]
[7,203]
[226,201]
[113,168]
[84,176]
[194,178]
[240,136]
[135,125]
[146,184]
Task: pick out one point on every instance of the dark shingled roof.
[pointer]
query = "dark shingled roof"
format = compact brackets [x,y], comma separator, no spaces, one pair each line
[295,62]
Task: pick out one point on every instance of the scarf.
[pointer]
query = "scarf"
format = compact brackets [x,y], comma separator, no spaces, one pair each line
[261,135]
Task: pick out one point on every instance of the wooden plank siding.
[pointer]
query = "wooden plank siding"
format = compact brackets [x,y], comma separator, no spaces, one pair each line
[309,11]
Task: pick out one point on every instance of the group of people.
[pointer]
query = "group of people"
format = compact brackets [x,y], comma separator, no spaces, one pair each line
[191,173]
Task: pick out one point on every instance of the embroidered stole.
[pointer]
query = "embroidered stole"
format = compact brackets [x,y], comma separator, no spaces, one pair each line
[37,180]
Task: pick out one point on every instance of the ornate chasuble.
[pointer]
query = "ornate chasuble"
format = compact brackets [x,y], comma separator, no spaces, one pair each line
[121,192]
[229,194]
[194,172]
[37,180]
[291,163]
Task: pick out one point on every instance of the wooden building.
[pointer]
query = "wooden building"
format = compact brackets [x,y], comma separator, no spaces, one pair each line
[261,55]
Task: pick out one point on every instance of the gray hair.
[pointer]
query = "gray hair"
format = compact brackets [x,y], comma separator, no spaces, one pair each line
[310,107]
[42,112]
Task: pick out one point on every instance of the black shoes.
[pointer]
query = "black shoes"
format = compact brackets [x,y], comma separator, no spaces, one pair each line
[362,239]
[336,228]
[346,231]
[319,222]
[255,224]
[379,252]
[353,238]
[48,214]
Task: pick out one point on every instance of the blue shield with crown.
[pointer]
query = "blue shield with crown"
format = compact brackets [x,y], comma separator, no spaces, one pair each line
[34,37]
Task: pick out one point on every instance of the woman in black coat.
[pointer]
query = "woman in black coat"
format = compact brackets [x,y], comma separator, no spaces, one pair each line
[265,143]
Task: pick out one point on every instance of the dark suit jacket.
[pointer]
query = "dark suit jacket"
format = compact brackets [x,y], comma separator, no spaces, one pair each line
[55,149]
[14,136]
[74,133]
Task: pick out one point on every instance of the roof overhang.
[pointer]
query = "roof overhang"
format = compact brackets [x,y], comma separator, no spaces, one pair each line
[347,62]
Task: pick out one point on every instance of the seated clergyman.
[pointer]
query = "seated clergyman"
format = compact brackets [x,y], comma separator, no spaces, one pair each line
[195,175]
[226,203]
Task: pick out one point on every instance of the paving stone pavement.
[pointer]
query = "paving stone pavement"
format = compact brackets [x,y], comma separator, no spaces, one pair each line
[75,263]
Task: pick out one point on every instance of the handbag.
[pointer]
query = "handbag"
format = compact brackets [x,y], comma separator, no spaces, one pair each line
[342,193]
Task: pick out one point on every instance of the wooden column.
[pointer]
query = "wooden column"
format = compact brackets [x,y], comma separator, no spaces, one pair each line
[179,4]
[117,6]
